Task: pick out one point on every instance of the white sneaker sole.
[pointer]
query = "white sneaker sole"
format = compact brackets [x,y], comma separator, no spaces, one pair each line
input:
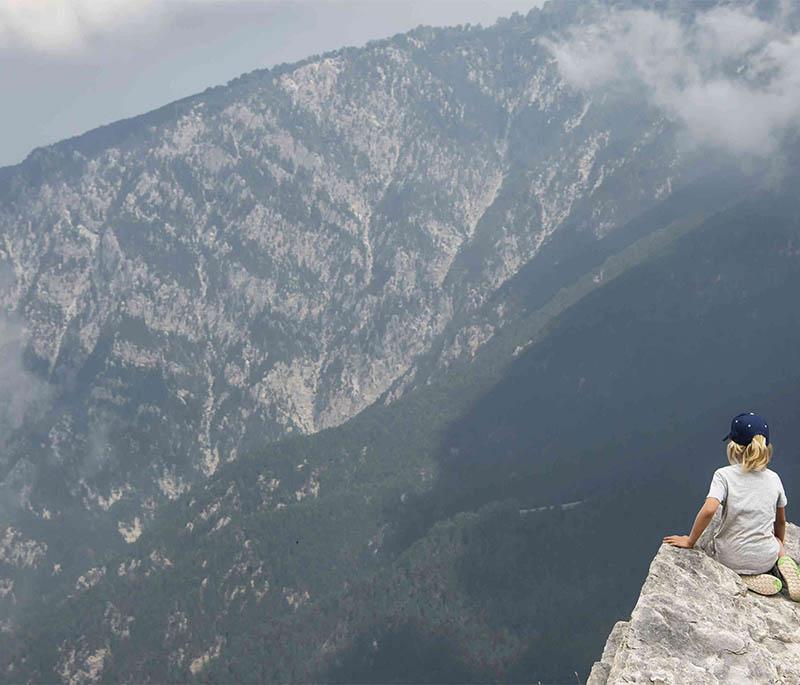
[791,574]
[763,584]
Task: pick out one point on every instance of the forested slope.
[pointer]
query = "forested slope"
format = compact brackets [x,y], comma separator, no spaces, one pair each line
[493,535]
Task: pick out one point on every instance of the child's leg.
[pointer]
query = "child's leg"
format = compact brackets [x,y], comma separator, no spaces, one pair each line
[763,584]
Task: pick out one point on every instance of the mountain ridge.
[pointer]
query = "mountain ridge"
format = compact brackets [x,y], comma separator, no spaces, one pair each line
[275,255]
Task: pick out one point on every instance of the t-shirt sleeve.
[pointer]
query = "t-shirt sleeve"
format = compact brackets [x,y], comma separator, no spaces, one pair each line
[781,494]
[719,487]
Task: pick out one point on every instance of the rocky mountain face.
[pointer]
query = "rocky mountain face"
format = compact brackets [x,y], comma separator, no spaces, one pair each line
[487,527]
[271,257]
[695,622]
[333,374]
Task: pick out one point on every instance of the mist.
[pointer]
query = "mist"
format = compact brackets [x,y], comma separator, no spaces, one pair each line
[729,78]
[23,393]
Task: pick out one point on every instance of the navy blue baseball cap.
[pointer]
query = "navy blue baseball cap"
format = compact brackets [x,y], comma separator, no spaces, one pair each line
[745,427]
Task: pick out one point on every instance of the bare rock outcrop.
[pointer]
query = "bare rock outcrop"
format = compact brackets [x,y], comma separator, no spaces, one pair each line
[695,622]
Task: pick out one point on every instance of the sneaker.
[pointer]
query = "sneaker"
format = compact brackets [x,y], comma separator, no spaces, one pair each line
[763,584]
[791,574]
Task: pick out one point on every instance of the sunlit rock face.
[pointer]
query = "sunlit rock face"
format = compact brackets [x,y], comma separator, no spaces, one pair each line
[272,256]
[696,622]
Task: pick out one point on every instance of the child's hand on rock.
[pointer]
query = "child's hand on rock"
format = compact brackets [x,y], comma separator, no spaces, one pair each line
[679,541]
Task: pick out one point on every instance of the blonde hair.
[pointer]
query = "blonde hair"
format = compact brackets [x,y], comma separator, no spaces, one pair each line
[752,457]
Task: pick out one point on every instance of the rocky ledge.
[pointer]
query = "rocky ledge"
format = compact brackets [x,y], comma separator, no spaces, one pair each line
[695,622]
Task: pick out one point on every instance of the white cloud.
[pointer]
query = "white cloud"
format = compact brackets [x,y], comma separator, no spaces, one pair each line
[60,26]
[730,78]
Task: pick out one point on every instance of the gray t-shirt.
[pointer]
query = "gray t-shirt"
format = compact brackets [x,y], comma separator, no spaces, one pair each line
[745,540]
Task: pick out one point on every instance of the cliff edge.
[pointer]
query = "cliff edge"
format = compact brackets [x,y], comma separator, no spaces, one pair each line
[695,622]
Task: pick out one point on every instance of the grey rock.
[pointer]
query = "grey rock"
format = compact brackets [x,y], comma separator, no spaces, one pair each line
[695,622]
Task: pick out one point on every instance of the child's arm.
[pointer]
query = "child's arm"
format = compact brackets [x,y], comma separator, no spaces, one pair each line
[701,522]
[780,523]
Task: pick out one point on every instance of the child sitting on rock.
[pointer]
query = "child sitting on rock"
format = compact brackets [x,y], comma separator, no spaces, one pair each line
[750,537]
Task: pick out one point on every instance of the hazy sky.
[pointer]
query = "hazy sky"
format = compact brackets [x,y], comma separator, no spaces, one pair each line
[67,66]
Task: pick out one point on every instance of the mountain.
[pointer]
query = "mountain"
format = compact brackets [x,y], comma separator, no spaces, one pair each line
[270,257]
[491,525]
[696,622]
[389,366]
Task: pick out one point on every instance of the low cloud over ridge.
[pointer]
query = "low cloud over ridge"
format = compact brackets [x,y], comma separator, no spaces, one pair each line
[730,78]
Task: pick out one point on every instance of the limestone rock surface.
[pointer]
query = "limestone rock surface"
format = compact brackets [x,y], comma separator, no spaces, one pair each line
[695,622]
